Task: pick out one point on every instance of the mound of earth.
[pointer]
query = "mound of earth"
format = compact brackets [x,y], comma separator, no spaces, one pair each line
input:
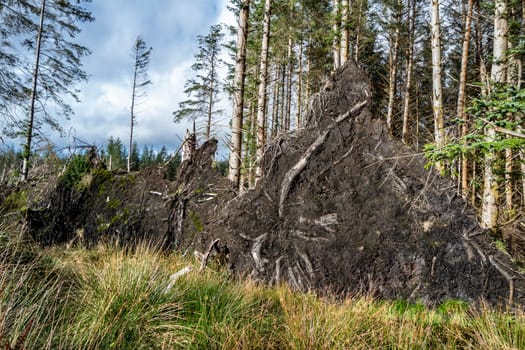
[128,208]
[343,208]
[346,208]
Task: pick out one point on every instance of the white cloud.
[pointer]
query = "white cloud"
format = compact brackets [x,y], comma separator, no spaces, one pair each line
[171,28]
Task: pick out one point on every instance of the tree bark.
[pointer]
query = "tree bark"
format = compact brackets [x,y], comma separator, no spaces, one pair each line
[211,97]
[410,62]
[358,31]
[498,71]
[299,111]
[275,102]
[289,83]
[336,45]
[345,35]
[238,97]
[462,97]
[489,209]
[392,70]
[261,98]
[31,119]
[437,92]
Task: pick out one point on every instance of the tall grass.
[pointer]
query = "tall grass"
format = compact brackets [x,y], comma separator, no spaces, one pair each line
[32,297]
[113,298]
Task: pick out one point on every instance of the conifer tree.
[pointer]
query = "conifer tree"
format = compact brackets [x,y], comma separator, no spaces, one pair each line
[40,77]
[204,89]
[141,57]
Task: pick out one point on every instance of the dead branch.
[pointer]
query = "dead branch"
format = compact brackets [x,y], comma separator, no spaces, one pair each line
[291,175]
[206,256]
[303,235]
[505,131]
[176,276]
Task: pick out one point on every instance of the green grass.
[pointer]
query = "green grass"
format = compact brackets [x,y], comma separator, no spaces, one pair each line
[110,298]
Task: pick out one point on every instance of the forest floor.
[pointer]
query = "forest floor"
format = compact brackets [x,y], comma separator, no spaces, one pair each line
[343,209]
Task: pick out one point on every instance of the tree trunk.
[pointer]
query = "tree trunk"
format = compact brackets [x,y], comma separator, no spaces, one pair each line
[210,97]
[392,71]
[299,111]
[489,209]
[520,128]
[498,71]
[345,35]
[410,62]
[132,115]
[509,190]
[261,98]
[289,83]
[238,97]
[489,201]
[462,97]
[275,105]
[336,48]
[358,31]
[282,99]
[30,122]
[437,94]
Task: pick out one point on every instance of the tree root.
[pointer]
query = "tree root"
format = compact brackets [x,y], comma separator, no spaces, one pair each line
[292,174]
[206,256]
[176,276]
[256,251]
[278,270]
[508,277]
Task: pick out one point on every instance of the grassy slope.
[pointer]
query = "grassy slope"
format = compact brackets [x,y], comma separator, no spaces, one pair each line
[107,298]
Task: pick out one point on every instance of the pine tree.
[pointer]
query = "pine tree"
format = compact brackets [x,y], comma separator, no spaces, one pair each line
[135,157]
[116,153]
[46,29]
[141,56]
[204,89]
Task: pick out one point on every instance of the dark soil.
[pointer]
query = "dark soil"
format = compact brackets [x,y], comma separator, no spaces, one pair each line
[361,216]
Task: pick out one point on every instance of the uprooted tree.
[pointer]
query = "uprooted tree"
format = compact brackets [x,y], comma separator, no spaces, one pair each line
[342,208]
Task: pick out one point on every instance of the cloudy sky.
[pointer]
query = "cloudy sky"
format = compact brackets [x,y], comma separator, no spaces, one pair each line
[170,27]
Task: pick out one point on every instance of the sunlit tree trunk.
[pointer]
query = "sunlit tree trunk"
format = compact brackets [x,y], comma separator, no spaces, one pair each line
[489,208]
[345,35]
[462,97]
[437,93]
[238,96]
[261,98]
[336,48]
[358,30]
